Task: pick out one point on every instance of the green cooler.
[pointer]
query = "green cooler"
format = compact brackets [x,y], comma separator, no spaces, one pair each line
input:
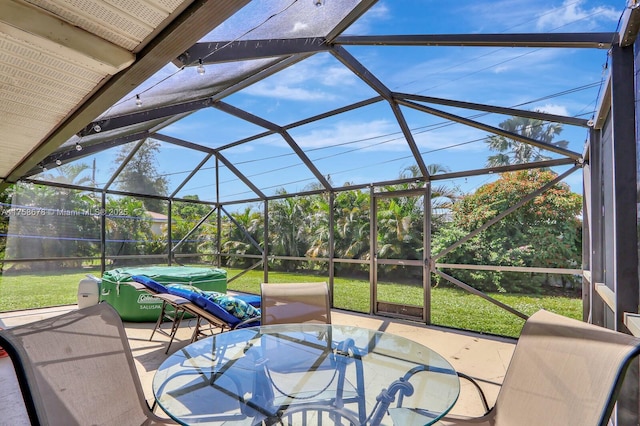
[137,306]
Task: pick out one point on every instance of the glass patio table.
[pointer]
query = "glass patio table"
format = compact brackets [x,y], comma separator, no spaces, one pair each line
[300,374]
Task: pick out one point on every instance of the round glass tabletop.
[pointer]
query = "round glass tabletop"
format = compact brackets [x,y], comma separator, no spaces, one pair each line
[301,374]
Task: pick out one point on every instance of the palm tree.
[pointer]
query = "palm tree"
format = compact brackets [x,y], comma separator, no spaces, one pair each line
[71,174]
[442,196]
[288,228]
[237,242]
[515,152]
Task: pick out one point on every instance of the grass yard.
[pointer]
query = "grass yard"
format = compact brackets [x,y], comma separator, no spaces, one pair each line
[450,307]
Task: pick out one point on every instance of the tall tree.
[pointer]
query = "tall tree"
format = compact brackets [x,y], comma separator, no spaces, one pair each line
[510,151]
[141,175]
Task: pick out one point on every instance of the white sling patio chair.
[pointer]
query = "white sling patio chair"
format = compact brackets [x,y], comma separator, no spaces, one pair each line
[77,369]
[295,303]
[562,372]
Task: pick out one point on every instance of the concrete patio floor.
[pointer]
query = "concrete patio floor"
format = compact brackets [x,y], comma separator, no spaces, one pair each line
[483,357]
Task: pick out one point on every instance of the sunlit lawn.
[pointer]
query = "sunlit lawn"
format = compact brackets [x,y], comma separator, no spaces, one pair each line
[450,307]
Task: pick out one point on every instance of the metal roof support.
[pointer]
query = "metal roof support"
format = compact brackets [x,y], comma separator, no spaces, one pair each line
[406,131]
[365,75]
[180,142]
[239,174]
[124,164]
[356,12]
[573,121]
[503,169]
[242,50]
[333,112]
[504,213]
[361,71]
[111,123]
[492,129]
[630,24]
[624,169]
[296,148]
[573,40]
[305,121]
[277,129]
[72,154]
[192,174]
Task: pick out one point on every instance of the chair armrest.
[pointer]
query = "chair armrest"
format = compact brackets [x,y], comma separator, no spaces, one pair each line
[172,299]
[483,398]
[137,286]
[247,321]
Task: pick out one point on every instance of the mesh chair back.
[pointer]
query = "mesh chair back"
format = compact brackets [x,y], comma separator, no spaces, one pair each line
[77,369]
[295,303]
[563,372]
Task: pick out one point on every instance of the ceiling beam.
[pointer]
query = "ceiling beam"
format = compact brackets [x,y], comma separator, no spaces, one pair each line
[111,123]
[230,51]
[537,115]
[574,40]
[492,129]
[630,24]
[70,154]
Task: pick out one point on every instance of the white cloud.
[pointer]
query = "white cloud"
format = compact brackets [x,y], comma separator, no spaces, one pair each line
[283,91]
[573,12]
[367,134]
[335,76]
[553,109]
[311,80]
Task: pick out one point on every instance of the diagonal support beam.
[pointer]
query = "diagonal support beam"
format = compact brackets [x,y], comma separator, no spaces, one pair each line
[409,138]
[247,116]
[292,143]
[192,174]
[573,121]
[477,292]
[492,129]
[505,213]
[361,71]
[243,230]
[192,230]
[240,175]
[276,129]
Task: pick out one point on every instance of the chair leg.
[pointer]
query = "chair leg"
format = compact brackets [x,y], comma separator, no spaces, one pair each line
[177,319]
[196,330]
[160,319]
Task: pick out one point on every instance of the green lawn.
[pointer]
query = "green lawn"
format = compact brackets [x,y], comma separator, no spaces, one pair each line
[450,307]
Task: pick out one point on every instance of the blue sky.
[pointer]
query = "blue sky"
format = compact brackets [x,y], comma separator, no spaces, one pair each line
[366,145]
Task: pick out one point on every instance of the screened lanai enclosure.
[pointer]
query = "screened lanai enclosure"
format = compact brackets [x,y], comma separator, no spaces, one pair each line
[443,164]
